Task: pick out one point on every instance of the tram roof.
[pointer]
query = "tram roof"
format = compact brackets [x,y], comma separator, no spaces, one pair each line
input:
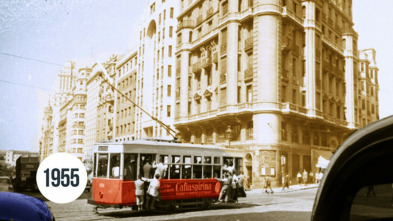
[164,144]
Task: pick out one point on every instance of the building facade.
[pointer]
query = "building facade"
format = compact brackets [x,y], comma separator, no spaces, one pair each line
[126,74]
[282,75]
[156,63]
[368,87]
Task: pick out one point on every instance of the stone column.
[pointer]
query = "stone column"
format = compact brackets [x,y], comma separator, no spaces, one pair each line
[232,54]
[310,58]
[350,81]
[267,24]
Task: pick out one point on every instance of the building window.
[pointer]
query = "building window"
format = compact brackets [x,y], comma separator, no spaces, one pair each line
[170,31]
[250,128]
[249,93]
[169,90]
[168,110]
[295,134]
[171,13]
[169,70]
[284,131]
[224,8]
[170,51]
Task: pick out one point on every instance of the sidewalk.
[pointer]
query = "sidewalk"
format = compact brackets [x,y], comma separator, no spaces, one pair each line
[292,188]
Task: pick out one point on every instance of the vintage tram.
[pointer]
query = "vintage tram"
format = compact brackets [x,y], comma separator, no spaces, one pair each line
[192,176]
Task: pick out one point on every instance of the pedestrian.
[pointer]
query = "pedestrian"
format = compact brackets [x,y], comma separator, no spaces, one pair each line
[311,177]
[128,173]
[139,192]
[116,170]
[240,187]
[268,185]
[299,178]
[160,168]
[234,193]
[152,191]
[226,182]
[146,169]
[286,182]
[305,177]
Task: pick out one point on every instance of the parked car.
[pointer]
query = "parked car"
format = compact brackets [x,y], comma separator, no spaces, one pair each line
[357,184]
[16,206]
[6,184]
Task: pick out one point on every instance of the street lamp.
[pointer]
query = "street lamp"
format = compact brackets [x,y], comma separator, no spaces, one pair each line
[228,135]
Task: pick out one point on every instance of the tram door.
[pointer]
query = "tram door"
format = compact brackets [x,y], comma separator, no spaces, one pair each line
[146,165]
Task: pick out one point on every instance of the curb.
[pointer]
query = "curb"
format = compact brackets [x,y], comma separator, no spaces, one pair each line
[279,189]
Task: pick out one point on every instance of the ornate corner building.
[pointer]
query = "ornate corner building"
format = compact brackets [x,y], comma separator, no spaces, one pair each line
[283,74]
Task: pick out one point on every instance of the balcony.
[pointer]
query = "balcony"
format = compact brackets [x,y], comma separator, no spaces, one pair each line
[199,20]
[209,12]
[197,66]
[248,44]
[223,78]
[215,57]
[186,24]
[223,48]
[206,62]
[248,73]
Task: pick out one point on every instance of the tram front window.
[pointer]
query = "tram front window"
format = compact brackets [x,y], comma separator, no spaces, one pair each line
[130,166]
[102,165]
[115,165]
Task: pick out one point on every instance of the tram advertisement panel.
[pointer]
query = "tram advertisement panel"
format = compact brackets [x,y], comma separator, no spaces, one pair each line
[177,189]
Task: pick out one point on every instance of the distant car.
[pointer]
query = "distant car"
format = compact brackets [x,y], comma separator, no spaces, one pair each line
[16,206]
[6,184]
[358,182]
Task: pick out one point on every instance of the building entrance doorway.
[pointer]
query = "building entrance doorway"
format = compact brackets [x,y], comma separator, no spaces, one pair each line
[248,172]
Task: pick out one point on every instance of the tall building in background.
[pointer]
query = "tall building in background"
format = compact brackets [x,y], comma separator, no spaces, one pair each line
[126,75]
[156,63]
[99,104]
[280,76]
[64,92]
[46,139]
[368,87]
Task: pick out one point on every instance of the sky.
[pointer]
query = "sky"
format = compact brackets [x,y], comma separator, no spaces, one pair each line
[37,37]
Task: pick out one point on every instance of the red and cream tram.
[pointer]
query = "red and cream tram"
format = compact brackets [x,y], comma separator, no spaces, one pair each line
[191,176]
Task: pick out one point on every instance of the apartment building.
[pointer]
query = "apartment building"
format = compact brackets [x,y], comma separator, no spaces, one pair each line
[46,139]
[368,87]
[100,104]
[156,63]
[280,77]
[126,75]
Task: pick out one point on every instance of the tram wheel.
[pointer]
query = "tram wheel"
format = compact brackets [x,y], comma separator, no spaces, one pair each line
[171,207]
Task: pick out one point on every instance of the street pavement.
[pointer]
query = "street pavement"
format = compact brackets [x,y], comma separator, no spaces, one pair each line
[294,203]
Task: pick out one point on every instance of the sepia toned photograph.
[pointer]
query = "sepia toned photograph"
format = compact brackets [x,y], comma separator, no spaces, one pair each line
[196,110]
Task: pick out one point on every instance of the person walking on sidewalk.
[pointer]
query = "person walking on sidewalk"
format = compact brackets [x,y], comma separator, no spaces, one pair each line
[305,177]
[299,178]
[268,184]
[285,184]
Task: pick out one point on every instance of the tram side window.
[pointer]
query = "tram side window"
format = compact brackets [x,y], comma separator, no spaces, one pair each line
[207,160]
[197,168]
[207,172]
[115,166]
[165,159]
[130,166]
[146,168]
[186,168]
[102,165]
[175,167]
[217,167]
